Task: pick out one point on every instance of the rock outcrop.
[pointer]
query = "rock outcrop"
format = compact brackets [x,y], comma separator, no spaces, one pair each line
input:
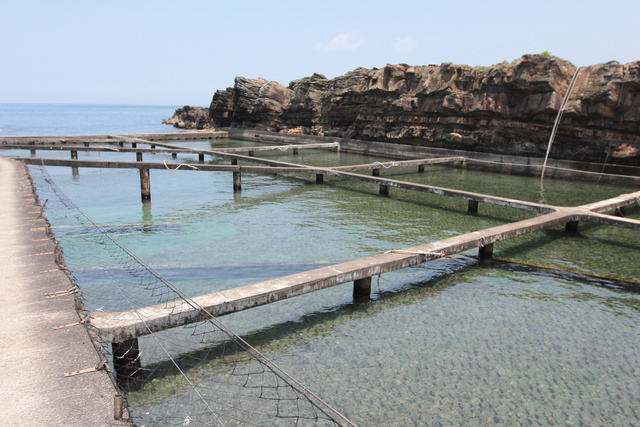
[190,118]
[507,108]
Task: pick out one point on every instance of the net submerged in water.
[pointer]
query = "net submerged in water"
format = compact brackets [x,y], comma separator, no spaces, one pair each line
[201,373]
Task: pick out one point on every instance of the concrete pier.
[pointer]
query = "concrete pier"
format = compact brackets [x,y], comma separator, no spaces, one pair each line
[35,357]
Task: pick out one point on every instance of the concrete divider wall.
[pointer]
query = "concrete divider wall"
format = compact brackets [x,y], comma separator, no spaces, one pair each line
[517,165]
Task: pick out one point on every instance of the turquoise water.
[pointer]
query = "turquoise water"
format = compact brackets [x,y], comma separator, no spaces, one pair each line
[451,342]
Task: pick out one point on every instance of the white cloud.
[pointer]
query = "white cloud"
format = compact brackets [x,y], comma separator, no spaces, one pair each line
[406,44]
[344,41]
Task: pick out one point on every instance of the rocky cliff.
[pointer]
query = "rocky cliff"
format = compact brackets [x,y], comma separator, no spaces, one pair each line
[507,108]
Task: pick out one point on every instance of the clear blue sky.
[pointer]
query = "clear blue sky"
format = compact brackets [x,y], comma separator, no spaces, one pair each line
[180,52]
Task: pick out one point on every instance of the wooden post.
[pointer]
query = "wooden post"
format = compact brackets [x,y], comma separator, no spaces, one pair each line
[126,359]
[121,143]
[472,206]
[295,151]
[571,227]
[134,145]
[384,190]
[174,155]
[485,252]
[621,211]
[201,157]
[33,152]
[234,162]
[376,172]
[86,144]
[319,178]
[362,289]
[237,181]
[420,168]
[251,153]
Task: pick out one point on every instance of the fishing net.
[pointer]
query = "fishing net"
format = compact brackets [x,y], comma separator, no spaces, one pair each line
[200,373]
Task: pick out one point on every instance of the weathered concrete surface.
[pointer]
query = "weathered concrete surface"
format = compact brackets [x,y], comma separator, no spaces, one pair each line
[118,327]
[33,356]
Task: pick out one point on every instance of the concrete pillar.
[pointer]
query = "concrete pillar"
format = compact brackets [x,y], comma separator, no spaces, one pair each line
[145,181]
[362,288]
[74,156]
[384,190]
[485,252]
[237,181]
[420,168]
[319,178]
[571,227]
[472,206]
[376,172]
[126,359]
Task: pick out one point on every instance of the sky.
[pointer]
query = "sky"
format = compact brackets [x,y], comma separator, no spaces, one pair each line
[143,52]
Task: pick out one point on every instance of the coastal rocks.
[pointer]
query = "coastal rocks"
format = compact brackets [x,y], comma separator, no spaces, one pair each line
[190,118]
[508,108]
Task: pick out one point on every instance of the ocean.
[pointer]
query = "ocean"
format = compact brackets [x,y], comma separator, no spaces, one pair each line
[451,342]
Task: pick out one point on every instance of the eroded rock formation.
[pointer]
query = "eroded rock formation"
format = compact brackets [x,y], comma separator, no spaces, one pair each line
[507,108]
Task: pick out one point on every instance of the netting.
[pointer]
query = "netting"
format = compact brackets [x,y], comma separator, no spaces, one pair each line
[200,374]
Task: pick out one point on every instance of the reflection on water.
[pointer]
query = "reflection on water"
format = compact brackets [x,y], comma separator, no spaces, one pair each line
[451,342]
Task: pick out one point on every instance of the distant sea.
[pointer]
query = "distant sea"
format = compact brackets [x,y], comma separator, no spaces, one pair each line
[68,119]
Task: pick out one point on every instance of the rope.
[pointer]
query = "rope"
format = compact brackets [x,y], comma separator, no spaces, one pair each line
[285,148]
[406,251]
[386,167]
[569,270]
[179,166]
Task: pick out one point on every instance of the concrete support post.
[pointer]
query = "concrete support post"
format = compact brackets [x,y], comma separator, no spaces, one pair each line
[362,288]
[118,407]
[384,190]
[74,156]
[126,359]
[145,181]
[319,178]
[237,181]
[420,168]
[485,252]
[472,206]
[376,172]
[571,227]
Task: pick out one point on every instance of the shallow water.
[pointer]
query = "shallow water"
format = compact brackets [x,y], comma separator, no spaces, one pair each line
[451,342]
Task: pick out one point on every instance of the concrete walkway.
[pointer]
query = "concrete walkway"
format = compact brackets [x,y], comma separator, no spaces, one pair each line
[33,356]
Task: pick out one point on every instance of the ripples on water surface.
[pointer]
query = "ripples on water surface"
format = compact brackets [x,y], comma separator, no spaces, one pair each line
[447,343]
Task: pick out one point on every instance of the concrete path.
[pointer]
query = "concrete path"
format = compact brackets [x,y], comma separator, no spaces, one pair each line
[33,356]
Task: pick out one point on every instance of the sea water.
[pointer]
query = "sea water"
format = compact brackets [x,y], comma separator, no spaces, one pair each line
[451,342]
